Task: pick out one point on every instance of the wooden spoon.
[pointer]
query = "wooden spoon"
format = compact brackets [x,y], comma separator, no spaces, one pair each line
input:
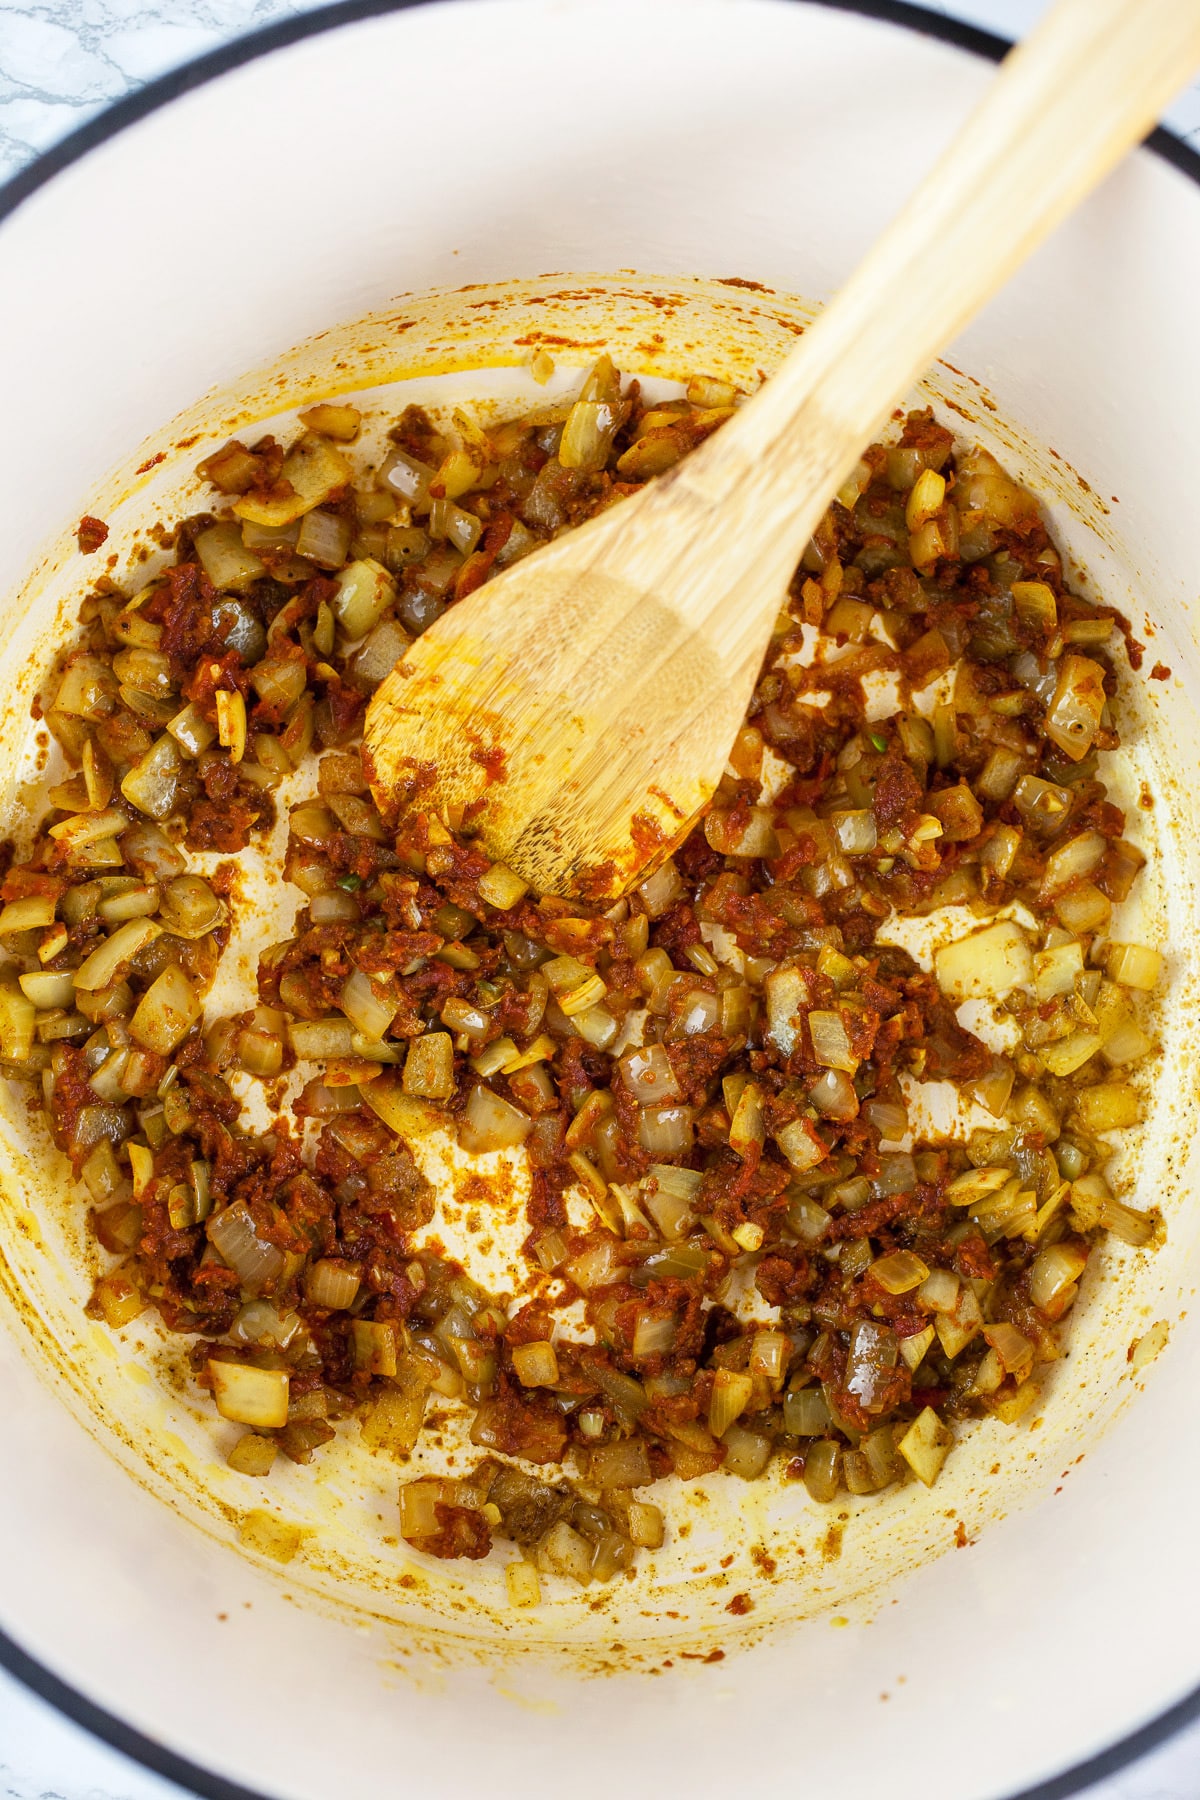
[577,711]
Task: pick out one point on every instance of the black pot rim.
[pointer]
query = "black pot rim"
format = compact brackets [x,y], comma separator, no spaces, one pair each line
[155,94]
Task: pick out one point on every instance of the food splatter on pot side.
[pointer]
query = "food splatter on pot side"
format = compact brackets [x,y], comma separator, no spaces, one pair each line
[736,1252]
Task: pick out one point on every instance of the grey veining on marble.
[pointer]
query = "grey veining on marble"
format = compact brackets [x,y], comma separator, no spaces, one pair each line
[61,62]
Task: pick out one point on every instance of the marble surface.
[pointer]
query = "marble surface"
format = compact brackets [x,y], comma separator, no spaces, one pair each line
[61,62]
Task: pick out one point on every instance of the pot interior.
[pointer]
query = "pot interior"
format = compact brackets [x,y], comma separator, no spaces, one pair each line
[333,1526]
[119,1490]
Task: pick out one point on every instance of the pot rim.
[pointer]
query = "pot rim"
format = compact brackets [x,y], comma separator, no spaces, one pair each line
[106,124]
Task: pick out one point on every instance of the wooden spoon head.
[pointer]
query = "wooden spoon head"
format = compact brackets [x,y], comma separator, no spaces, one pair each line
[564,714]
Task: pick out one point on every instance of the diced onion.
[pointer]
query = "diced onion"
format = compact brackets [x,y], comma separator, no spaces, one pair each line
[588,433]
[926,1445]
[150,851]
[324,538]
[1056,970]
[1126,1043]
[454,523]
[575,986]
[100,969]
[1035,604]
[250,1396]
[1078,857]
[787,995]
[856,832]
[144,672]
[312,471]
[333,420]
[807,1219]
[225,559]
[593,1268]
[889,1118]
[136,901]
[669,1199]
[801,1145]
[1011,1346]
[871,1359]
[536,1364]
[654,1334]
[381,650]
[490,1122]
[429,1067]
[730,1396]
[1109,1106]
[419,1502]
[253,1454]
[255,1262]
[1133,965]
[367,1011]
[833,1095]
[374,1342]
[94,1123]
[48,990]
[86,829]
[17,1021]
[939,1290]
[625,1464]
[1000,774]
[332,1284]
[747,1453]
[30,914]
[755,837]
[365,590]
[913,1348]
[899,1272]
[925,499]
[166,1012]
[407,477]
[660,892]
[500,887]
[596,1026]
[831,1041]
[393,1425]
[986,965]
[521,1580]
[665,1130]
[769,1355]
[333,907]
[897,1174]
[648,1075]
[1083,908]
[701,1011]
[260,1322]
[823,1470]
[317,1040]
[1070,1053]
[87,689]
[1074,713]
[151,783]
[564,1552]
[958,813]
[189,907]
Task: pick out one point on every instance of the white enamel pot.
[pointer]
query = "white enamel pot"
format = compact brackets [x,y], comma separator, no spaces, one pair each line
[387,188]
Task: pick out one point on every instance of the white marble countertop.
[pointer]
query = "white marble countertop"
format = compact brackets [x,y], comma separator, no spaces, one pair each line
[62,61]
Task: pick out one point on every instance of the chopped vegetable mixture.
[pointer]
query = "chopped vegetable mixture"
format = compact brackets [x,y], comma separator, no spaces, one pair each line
[712,1080]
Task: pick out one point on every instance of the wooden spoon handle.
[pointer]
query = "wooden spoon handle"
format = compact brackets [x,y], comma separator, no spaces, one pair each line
[1086,86]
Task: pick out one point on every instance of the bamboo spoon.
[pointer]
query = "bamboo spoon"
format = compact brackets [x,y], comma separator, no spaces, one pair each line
[578,710]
